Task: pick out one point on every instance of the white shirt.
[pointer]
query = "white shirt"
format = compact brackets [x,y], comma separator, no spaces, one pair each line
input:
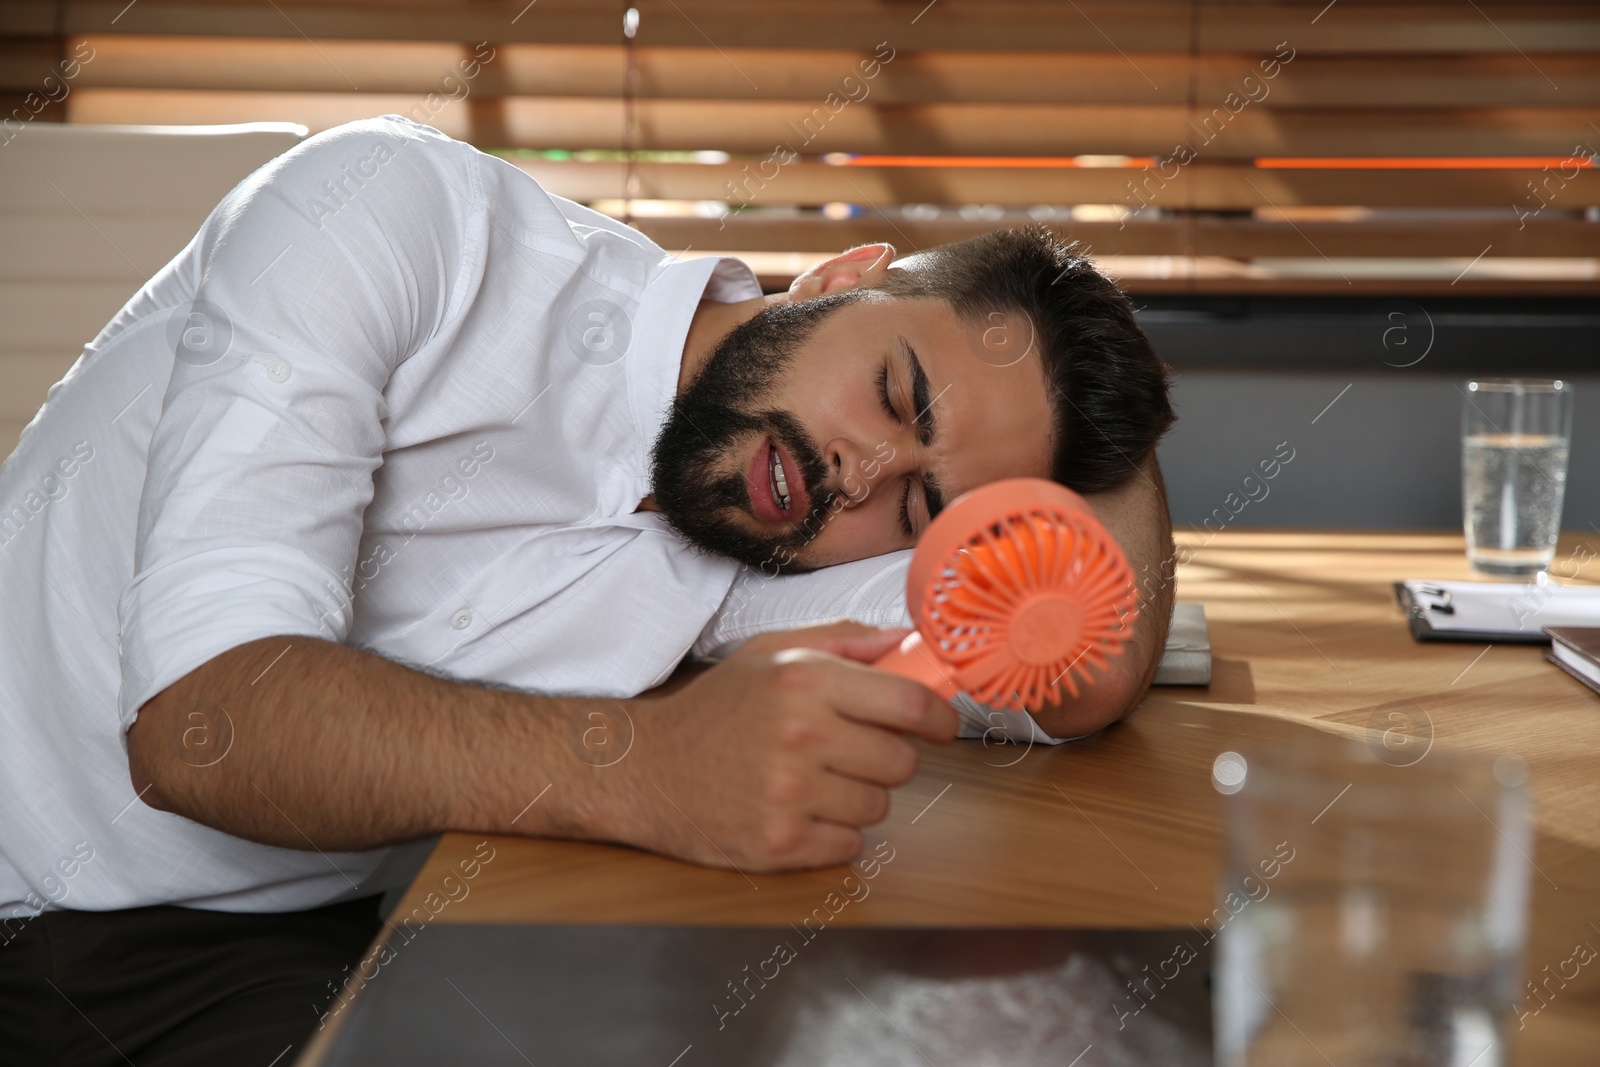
[412,409]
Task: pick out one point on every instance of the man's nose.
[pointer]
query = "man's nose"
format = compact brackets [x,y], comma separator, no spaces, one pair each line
[857,469]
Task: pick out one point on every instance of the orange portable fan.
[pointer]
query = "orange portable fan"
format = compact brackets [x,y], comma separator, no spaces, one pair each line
[1016,590]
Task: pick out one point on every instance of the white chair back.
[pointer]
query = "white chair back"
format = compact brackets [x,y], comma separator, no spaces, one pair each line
[87,214]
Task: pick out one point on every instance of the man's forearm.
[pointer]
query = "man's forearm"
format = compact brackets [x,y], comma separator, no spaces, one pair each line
[772,759]
[1137,517]
[304,743]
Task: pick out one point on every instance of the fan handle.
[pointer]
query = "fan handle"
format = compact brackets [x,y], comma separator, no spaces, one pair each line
[914,658]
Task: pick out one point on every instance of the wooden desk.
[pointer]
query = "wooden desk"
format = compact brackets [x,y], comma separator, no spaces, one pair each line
[1123,829]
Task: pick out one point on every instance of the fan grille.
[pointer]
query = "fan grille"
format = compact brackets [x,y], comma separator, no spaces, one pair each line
[1038,555]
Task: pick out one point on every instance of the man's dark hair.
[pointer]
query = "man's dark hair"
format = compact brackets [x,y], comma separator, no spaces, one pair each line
[1108,388]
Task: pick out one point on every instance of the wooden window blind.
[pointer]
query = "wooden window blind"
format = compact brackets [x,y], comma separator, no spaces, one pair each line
[1247,146]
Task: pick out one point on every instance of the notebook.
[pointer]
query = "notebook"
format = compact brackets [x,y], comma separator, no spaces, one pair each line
[1495,611]
[1576,650]
[1187,658]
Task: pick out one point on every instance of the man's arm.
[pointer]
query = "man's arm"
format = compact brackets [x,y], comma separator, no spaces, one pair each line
[1137,517]
[772,759]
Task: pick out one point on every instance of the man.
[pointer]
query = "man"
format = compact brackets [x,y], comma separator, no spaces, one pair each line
[358,513]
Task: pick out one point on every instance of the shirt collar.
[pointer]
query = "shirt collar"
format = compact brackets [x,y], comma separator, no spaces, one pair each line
[666,309]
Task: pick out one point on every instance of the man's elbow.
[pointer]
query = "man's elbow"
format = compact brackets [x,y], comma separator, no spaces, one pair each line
[153,763]
[1112,698]
[179,740]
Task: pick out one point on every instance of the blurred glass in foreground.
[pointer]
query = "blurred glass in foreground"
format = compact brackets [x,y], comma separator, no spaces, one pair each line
[1515,438]
[1373,906]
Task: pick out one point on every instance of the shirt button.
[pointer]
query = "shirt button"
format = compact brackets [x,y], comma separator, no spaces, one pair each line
[276,369]
[461,619]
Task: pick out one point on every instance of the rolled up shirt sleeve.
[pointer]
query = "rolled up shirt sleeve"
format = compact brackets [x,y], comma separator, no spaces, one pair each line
[314,280]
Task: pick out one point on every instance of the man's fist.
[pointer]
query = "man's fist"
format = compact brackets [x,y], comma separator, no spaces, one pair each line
[777,756]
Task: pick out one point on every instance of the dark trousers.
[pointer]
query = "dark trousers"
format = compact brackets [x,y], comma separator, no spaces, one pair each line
[173,987]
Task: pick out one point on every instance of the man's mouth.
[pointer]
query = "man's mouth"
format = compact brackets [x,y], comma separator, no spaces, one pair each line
[777,489]
[780,483]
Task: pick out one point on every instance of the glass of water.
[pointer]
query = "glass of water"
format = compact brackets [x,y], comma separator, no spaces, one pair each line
[1515,438]
[1373,906]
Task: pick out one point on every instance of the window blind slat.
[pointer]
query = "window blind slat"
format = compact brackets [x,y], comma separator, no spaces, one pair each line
[807,76]
[1242,239]
[757,127]
[1090,25]
[1210,187]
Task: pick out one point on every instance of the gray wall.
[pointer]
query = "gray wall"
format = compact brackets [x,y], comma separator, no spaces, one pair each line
[1385,455]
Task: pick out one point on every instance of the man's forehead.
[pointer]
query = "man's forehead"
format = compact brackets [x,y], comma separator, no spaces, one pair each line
[998,349]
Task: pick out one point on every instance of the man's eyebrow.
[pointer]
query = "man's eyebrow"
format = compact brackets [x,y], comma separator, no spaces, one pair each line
[926,427]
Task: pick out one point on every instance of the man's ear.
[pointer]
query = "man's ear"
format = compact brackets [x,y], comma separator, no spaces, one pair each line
[862,266]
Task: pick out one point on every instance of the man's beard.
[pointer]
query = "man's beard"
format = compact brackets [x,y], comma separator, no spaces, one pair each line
[724,407]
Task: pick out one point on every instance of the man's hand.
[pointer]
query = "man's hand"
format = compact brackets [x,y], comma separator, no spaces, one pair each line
[776,757]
